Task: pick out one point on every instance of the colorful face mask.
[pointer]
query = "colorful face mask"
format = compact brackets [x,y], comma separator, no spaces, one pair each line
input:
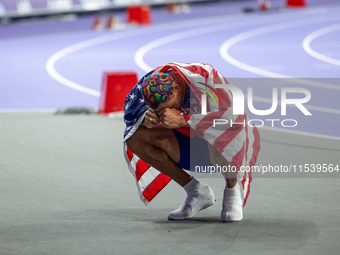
[157,89]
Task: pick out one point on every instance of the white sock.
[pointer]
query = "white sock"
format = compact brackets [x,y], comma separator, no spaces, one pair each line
[232,204]
[194,187]
[234,191]
[200,196]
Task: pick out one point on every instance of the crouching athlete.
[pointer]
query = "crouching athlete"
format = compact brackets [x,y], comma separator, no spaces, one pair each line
[166,130]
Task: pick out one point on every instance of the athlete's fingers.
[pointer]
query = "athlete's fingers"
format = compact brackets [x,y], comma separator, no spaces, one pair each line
[152,114]
[160,113]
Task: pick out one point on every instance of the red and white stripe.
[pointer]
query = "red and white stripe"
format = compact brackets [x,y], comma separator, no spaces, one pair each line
[149,180]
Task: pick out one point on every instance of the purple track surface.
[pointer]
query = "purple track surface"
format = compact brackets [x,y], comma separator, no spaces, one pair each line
[265,41]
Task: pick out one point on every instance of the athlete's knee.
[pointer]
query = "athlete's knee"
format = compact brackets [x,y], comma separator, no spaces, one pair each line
[137,140]
[145,141]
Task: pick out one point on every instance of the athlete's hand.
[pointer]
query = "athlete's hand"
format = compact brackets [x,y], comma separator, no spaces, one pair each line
[171,118]
[151,119]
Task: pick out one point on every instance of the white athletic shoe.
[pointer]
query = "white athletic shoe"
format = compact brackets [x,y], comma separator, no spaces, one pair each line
[199,197]
[232,209]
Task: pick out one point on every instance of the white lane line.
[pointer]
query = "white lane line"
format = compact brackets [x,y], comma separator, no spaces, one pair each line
[50,65]
[82,45]
[141,52]
[224,50]
[62,53]
[268,29]
[318,33]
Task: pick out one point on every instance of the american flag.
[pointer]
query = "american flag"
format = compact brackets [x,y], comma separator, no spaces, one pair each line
[239,143]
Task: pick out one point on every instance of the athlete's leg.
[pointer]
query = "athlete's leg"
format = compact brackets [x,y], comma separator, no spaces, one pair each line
[217,159]
[232,202]
[159,148]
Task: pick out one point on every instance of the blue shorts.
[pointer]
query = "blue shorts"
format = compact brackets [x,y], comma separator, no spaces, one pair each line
[194,152]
